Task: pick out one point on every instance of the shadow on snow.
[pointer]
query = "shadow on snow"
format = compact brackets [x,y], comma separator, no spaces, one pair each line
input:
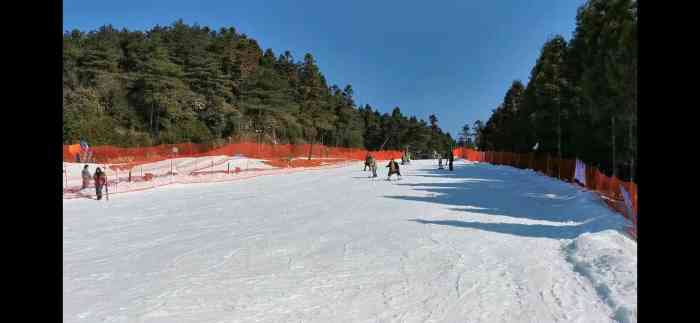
[513,194]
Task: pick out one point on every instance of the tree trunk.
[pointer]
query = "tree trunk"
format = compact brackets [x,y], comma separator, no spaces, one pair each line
[633,145]
[632,149]
[152,130]
[614,161]
[559,141]
[157,124]
[311,148]
[559,134]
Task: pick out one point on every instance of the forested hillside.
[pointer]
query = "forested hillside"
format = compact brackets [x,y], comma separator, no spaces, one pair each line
[188,83]
[581,99]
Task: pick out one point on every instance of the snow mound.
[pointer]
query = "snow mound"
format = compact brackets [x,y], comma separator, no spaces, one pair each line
[609,260]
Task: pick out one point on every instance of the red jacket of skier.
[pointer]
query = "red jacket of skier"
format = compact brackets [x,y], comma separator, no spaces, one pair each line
[100,179]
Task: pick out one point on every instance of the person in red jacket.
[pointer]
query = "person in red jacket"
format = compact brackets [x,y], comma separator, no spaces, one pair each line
[100,181]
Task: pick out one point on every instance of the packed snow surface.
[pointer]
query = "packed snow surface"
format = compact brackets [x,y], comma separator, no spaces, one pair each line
[481,244]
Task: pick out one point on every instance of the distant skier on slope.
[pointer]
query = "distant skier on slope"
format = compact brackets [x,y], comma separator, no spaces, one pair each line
[373,166]
[451,159]
[393,169]
[86,177]
[100,181]
[440,162]
[368,158]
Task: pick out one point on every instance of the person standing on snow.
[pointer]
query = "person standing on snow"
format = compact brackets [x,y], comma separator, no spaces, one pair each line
[368,158]
[373,166]
[100,180]
[393,169]
[451,159]
[440,162]
[86,177]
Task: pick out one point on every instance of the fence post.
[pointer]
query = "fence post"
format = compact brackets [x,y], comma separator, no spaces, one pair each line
[559,168]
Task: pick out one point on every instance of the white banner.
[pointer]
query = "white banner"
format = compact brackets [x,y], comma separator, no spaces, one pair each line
[628,200]
[580,172]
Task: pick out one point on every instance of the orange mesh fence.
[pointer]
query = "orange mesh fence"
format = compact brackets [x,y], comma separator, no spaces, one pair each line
[564,169]
[116,155]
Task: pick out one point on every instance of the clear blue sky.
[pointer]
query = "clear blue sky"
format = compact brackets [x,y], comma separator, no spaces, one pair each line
[452,58]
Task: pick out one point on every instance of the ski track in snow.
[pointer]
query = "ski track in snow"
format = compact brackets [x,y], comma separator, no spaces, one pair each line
[481,244]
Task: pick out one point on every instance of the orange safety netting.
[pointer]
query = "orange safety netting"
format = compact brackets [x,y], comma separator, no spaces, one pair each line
[72,150]
[130,157]
[563,169]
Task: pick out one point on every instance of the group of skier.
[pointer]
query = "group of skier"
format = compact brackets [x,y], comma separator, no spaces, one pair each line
[394,168]
[371,163]
[99,178]
[450,160]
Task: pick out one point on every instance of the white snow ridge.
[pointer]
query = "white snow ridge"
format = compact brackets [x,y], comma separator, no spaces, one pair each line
[609,260]
[480,244]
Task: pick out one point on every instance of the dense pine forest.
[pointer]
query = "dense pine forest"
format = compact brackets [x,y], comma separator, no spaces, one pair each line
[581,99]
[188,83]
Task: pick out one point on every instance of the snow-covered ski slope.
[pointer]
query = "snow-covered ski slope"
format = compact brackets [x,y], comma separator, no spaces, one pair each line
[481,244]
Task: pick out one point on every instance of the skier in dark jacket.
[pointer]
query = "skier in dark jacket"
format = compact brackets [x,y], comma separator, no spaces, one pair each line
[393,169]
[100,181]
[451,159]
